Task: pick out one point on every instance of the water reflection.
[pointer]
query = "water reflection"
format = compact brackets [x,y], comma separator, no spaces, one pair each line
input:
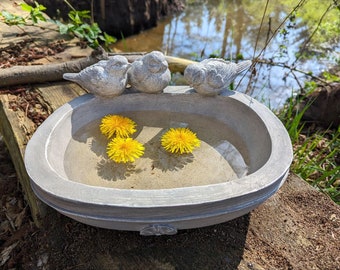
[231,29]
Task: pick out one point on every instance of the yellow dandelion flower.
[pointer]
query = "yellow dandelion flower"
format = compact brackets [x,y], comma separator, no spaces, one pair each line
[122,150]
[180,140]
[117,125]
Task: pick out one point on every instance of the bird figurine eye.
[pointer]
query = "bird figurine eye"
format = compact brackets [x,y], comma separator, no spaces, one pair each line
[153,63]
[118,64]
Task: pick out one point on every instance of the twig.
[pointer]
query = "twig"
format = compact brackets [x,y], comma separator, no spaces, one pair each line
[102,9]
[26,109]
[5,253]
[38,26]
[296,79]
[268,40]
[10,220]
[291,68]
[70,6]
[260,28]
[279,27]
[315,30]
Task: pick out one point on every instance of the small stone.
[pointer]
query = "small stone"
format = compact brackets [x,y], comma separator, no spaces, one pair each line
[336,183]
[333,217]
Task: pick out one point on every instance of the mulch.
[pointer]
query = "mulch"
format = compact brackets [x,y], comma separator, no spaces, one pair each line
[26,52]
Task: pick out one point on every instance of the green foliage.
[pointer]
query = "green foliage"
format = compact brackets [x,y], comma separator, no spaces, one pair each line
[36,14]
[330,77]
[291,118]
[239,57]
[315,161]
[315,153]
[11,19]
[78,24]
[195,56]
[326,22]
[310,86]
[84,31]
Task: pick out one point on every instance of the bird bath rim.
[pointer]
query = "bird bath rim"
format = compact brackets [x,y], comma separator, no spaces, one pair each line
[51,186]
[164,211]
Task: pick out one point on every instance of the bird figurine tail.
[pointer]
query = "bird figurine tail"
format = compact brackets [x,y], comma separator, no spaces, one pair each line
[73,77]
[242,66]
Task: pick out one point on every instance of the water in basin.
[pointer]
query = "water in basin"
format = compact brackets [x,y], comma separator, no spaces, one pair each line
[215,161]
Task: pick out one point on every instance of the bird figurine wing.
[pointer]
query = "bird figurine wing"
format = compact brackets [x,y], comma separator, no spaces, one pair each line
[107,78]
[195,74]
[150,74]
[214,79]
[211,76]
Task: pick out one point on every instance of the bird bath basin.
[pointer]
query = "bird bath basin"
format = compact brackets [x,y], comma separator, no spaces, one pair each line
[243,159]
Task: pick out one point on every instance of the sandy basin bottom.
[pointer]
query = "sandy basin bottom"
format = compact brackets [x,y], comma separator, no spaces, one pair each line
[215,161]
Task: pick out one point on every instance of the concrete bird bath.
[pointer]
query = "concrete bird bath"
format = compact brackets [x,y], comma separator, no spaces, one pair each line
[243,159]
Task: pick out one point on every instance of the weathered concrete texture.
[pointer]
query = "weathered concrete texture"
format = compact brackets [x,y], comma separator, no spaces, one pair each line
[253,129]
[211,76]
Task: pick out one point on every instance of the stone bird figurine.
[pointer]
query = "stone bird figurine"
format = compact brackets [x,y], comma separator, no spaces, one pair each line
[107,78]
[150,73]
[211,76]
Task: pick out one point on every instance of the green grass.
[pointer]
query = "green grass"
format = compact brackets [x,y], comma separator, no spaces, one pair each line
[315,161]
[316,151]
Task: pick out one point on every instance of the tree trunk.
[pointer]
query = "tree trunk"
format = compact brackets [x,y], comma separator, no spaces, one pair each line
[120,18]
[323,106]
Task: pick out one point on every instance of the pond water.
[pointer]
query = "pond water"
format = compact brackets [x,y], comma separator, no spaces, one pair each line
[231,29]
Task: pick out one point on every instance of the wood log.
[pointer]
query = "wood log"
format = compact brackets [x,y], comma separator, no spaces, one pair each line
[54,72]
[17,129]
[323,106]
[178,64]
[47,73]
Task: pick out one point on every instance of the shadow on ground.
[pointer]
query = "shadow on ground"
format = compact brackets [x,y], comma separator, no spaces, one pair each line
[72,245]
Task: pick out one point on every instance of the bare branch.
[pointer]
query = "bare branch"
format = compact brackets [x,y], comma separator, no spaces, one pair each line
[291,68]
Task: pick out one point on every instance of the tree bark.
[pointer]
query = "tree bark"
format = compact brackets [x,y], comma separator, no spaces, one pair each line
[46,73]
[323,106]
